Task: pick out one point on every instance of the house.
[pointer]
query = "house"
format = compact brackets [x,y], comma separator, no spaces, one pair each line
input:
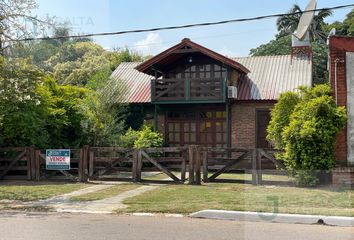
[198,96]
[341,66]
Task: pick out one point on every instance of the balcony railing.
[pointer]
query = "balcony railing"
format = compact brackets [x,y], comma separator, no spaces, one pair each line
[188,90]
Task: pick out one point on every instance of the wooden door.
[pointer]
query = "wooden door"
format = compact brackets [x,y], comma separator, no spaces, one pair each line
[262,121]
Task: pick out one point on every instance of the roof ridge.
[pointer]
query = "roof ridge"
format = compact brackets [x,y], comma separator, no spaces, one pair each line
[286,55]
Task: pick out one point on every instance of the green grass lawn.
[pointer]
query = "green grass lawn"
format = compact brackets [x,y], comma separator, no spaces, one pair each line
[161,177]
[31,192]
[248,177]
[106,193]
[241,197]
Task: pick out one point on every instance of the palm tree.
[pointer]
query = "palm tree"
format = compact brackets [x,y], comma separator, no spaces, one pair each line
[288,24]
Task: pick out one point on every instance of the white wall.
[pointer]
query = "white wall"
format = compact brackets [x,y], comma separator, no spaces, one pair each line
[350,105]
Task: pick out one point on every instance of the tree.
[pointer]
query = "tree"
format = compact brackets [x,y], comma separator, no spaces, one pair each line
[282,46]
[279,46]
[16,21]
[76,62]
[34,109]
[22,112]
[288,24]
[345,28]
[305,125]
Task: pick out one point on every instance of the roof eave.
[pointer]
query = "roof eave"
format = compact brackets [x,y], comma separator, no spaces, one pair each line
[143,67]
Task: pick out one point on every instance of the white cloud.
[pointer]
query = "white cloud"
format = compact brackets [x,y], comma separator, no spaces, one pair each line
[226,52]
[151,45]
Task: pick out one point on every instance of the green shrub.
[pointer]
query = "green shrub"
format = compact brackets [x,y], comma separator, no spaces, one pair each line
[280,117]
[144,138]
[305,125]
[129,138]
[305,178]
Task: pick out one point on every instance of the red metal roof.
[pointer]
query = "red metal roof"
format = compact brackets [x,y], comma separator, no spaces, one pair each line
[134,85]
[145,66]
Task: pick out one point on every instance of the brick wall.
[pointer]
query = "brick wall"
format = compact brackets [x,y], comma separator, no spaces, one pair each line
[343,176]
[243,123]
[338,47]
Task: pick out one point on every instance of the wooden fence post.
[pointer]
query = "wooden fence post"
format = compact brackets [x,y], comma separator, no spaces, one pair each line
[205,166]
[38,164]
[184,165]
[85,163]
[254,167]
[259,166]
[91,163]
[139,165]
[135,165]
[198,163]
[80,165]
[33,160]
[29,163]
[191,151]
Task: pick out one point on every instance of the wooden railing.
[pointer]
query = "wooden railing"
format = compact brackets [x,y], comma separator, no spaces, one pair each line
[188,90]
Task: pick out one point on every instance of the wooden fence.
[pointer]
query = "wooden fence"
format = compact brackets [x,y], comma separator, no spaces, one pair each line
[104,163]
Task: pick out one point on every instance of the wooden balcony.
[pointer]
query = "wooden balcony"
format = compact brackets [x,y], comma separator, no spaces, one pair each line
[165,91]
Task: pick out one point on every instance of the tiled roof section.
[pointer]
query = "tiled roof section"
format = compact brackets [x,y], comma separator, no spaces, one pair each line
[272,75]
[134,84]
[269,77]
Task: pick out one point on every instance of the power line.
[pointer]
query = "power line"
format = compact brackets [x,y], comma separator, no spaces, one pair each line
[182,26]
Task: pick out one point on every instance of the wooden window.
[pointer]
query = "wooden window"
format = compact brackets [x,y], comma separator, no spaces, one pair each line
[219,71]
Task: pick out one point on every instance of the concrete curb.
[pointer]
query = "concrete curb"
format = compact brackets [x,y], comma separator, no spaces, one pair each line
[274,217]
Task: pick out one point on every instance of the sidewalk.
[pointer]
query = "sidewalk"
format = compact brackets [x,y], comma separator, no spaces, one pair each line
[274,217]
[63,203]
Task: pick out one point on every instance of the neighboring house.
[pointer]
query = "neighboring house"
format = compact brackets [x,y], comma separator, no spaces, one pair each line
[197,96]
[341,64]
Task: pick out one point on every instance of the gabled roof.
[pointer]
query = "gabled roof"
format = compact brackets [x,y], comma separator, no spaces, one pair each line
[269,77]
[187,45]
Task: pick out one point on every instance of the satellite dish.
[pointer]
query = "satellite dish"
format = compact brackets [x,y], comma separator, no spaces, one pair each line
[306,20]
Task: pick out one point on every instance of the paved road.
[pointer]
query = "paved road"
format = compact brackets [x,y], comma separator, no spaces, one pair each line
[111,227]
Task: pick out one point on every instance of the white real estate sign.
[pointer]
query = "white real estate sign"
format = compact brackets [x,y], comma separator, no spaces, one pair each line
[350,106]
[57,159]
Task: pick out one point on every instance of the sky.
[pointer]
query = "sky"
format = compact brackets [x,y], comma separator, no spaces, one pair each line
[235,39]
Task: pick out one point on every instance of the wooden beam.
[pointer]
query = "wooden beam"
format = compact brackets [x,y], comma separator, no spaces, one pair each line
[12,163]
[185,50]
[271,158]
[161,168]
[227,166]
